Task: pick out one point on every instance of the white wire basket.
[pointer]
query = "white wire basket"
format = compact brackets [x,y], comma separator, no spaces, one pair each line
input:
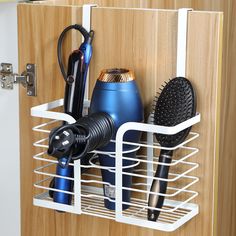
[88,194]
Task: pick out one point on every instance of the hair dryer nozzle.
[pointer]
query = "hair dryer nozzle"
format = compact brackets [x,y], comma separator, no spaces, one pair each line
[117,75]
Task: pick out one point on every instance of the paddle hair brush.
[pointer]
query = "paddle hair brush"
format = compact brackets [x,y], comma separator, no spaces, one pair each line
[176,104]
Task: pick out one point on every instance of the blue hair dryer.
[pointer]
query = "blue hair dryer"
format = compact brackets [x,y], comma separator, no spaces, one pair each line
[116,93]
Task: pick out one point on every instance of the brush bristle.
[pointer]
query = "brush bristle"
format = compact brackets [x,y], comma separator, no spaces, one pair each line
[175,104]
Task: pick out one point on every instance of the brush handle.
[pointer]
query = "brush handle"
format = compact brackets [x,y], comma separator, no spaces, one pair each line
[159,186]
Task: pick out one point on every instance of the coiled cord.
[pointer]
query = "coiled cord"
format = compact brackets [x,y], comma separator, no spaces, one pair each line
[76,140]
[100,128]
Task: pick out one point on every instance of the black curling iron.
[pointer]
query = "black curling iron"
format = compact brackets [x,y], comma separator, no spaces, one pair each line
[75,78]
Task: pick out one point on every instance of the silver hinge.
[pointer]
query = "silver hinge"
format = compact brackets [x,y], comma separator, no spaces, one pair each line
[27,78]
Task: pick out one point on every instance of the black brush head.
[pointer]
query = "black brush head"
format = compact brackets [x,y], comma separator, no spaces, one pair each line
[176,104]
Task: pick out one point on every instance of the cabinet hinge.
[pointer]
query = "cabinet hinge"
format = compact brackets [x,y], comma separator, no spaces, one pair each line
[27,78]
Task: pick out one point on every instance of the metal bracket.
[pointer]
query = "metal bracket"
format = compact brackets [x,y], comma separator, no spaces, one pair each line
[27,78]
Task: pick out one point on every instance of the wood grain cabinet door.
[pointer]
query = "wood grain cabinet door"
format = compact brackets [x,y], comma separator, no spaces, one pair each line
[149,48]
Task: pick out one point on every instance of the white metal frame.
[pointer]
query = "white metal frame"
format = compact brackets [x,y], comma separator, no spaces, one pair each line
[182,41]
[86,23]
[88,197]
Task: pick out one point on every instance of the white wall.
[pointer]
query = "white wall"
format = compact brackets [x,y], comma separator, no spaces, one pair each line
[9,137]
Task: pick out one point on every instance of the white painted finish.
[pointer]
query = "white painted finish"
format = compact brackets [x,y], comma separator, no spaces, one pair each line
[9,126]
[86,23]
[182,41]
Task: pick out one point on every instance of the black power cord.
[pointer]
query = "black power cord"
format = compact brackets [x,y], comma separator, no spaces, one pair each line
[78,139]
[86,36]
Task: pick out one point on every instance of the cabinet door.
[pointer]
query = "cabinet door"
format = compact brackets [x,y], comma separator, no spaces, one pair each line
[39,28]
[9,126]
